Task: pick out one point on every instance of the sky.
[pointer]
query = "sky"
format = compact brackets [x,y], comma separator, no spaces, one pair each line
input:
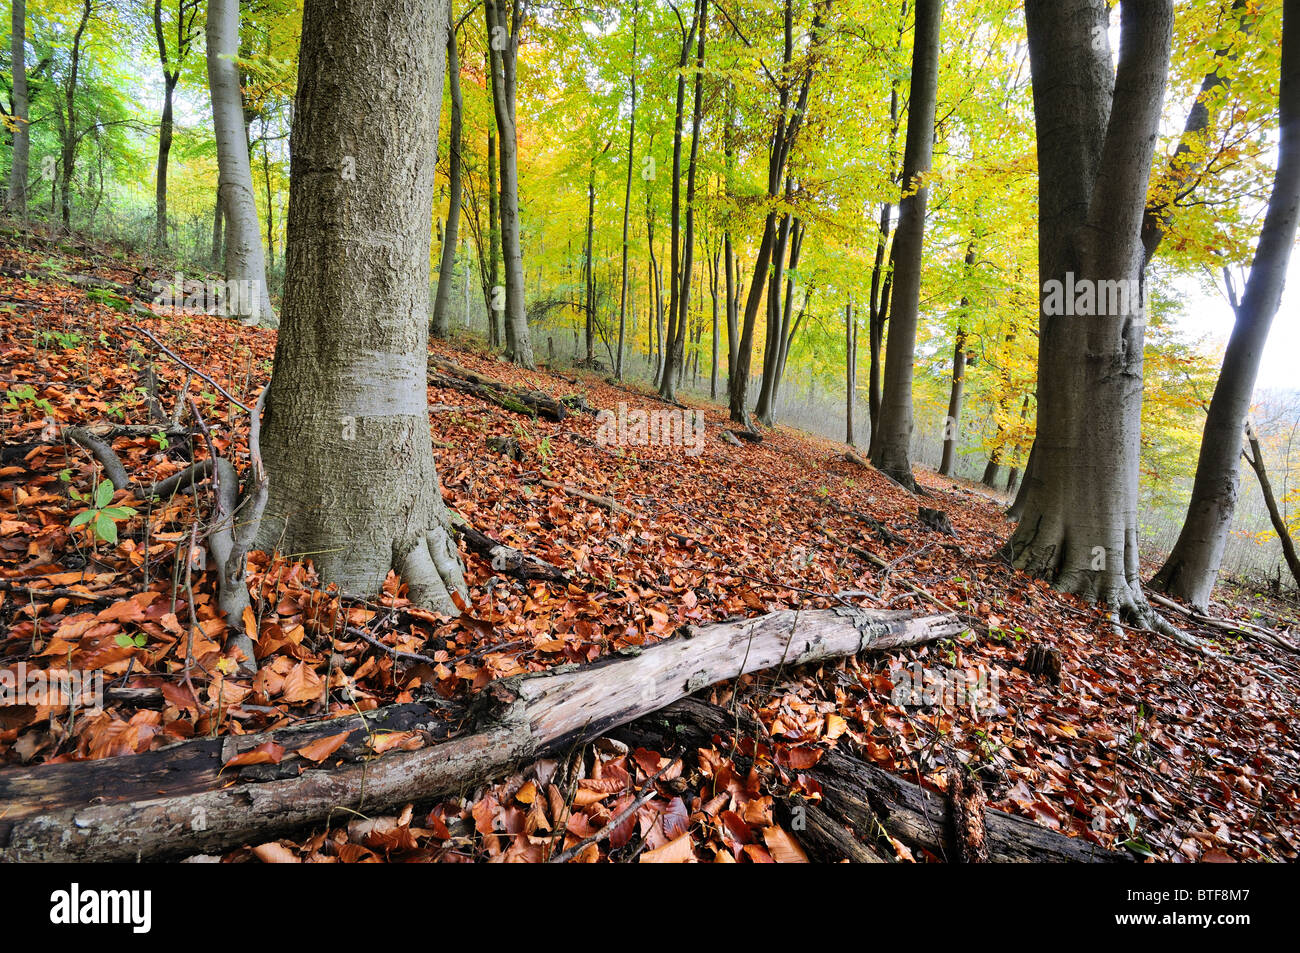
[1210,317]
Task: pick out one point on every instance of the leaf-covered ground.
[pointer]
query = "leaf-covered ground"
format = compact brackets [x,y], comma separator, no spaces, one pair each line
[1143,745]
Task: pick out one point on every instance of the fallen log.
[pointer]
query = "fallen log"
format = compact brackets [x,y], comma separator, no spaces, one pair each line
[872,802]
[178,801]
[530,403]
[604,502]
[505,558]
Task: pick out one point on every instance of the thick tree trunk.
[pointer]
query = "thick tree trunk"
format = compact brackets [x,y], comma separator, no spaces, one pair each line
[347,440]
[1193,565]
[447,267]
[245,261]
[891,452]
[1096,135]
[111,809]
[505,25]
[22,131]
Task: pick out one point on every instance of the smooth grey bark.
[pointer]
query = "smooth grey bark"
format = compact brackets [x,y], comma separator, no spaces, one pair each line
[627,198]
[717,333]
[244,257]
[1192,566]
[891,450]
[186,11]
[503,45]
[347,443]
[1097,129]
[22,132]
[447,266]
[218,235]
[500,336]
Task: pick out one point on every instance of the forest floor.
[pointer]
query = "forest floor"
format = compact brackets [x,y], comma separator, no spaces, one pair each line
[1143,745]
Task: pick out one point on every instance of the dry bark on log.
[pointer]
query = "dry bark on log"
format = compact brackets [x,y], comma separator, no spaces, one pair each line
[530,403]
[968,804]
[870,801]
[505,558]
[175,802]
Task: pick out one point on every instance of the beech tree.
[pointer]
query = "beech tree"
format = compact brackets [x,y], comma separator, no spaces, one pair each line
[245,258]
[891,447]
[503,25]
[1097,129]
[447,267]
[1192,567]
[347,444]
[171,56]
[22,134]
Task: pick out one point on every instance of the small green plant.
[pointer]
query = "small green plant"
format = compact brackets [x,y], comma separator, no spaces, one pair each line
[160,438]
[24,395]
[544,448]
[101,517]
[131,641]
[63,340]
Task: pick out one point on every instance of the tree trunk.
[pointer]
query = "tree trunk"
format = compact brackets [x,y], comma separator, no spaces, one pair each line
[503,28]
[891,453]
[788,124]
[851,369]
[952,423]
[1257,464]
[218,236]
[22,132]
[347,442]
[1193,565]
[1096,133]
[627,199]
[502,332]
[244,260]
[682,248]
[447,266]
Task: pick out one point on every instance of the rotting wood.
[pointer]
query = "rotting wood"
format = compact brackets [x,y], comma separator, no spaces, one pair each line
[176,801]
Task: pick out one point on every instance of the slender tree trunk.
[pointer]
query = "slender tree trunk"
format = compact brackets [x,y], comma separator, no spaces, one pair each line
[347,441]
[1193,565]
[788,124]
[952,423]
[506,25]
[627,198]
[1257,464]
[851,369]
[244,258]
[892,451]
[447,265]
[22,132]
[1096,135]
[503,334]
[713,294]
[779,321]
